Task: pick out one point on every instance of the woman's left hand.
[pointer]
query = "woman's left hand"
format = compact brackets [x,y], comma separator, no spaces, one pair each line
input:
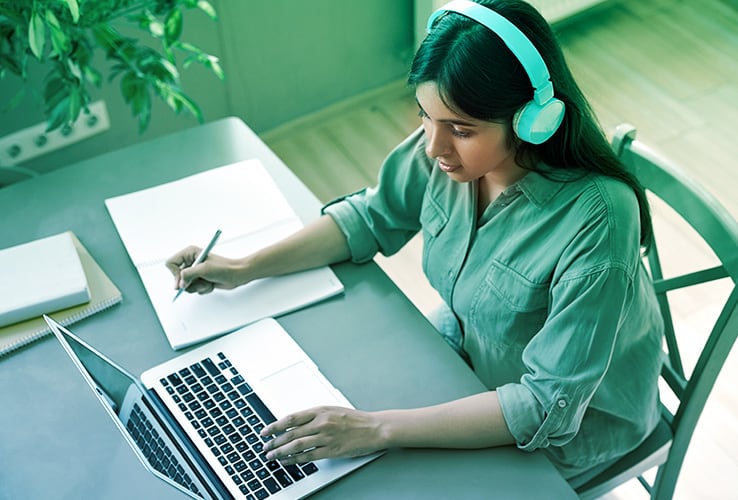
[323,432]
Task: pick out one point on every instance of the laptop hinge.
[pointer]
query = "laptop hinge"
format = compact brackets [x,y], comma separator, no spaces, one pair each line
[191,454]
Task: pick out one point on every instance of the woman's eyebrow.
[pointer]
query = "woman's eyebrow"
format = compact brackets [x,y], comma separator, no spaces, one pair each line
[451,121]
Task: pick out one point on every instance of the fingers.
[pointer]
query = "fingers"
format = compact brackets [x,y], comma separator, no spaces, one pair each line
[322,432]
[288,422]
[294,440]
[181,260]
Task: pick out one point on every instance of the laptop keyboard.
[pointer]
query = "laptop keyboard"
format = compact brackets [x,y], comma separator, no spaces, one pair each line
[229,416]
[155,449]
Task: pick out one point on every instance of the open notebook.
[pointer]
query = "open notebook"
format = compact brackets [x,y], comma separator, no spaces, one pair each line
[243,201]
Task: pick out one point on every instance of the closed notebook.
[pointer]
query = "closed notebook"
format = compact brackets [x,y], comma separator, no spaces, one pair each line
[102,294]
[40,276]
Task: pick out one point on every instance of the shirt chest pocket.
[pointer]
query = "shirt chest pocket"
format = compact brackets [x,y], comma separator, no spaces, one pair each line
[432,221]
[432,218]
[508,305]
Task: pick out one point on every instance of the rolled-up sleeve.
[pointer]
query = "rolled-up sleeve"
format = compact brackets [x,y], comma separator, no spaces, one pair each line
[361,240]
[567,359]
[384,218]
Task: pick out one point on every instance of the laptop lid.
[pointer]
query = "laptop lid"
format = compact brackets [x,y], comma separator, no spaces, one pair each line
[126,402]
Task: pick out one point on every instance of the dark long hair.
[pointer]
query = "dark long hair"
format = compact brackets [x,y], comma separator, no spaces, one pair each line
[479,76]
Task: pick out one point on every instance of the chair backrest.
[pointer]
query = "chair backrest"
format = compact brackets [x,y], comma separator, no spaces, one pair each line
[689,389]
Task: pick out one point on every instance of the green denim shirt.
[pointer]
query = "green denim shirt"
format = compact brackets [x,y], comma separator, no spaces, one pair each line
[549,290]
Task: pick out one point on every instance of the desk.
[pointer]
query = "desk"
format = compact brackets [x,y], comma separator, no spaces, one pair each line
[57,442]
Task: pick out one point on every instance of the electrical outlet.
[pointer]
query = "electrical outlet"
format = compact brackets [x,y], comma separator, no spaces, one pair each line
[34,141]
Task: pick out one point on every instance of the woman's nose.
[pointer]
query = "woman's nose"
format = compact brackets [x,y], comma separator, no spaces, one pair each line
[435,143]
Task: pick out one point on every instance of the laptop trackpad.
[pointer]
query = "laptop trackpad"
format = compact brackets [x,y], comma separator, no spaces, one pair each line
[296,387]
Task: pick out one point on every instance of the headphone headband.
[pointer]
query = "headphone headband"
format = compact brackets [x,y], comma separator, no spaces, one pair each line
[514,39]
[538,120]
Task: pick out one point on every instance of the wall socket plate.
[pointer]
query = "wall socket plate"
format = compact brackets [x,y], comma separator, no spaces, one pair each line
[34,141]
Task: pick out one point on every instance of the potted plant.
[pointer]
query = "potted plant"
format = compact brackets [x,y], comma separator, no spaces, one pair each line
[65,35]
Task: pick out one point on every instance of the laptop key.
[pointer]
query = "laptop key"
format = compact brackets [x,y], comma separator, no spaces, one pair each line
[272,485]
[283,478]
[309,468]
[294,472]
[259,407]
[197,370]
[208,364]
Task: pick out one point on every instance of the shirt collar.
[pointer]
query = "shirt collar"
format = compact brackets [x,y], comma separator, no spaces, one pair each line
[540,189]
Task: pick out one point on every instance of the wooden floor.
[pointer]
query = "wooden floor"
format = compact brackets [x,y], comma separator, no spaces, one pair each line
[668,67]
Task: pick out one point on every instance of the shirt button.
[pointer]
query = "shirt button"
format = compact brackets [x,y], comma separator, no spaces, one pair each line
[561,403]
[450,274]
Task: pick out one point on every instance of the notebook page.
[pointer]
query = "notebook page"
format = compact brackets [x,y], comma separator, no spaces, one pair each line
[244,202]
[155,223]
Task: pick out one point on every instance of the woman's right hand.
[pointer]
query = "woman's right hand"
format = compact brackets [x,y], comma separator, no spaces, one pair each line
[215,272]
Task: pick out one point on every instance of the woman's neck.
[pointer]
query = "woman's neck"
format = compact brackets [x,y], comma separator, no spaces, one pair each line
[489,187]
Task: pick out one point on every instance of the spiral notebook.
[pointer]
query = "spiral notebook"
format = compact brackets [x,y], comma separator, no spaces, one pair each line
[103,294]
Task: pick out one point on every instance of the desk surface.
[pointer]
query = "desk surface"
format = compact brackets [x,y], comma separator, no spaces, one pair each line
[57,441]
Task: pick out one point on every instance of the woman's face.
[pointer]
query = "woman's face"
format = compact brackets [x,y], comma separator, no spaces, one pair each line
[466,148]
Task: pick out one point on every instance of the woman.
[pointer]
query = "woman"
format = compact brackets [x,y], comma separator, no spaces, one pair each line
[531,236]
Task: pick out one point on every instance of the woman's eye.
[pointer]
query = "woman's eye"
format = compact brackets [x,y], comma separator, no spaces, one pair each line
[422,114]
[460,133]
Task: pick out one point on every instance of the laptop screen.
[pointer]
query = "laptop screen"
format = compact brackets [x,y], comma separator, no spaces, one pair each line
[122,396]
[112,380]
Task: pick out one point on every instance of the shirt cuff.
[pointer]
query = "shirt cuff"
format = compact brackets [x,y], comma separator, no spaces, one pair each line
[361,242]
[526,418]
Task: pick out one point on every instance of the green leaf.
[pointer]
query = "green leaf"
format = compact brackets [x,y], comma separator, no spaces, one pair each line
[144,117]
[59,40]
[58,115]
[191,106]
[37,35]
[54,91]
[173,26]
[129,86]
[74,69]
[73,9]
[92,75]
[188,47]
[75,104]
[170,68]
[141,102]
[213,63]
[189,60]
[156,28]
[208,9]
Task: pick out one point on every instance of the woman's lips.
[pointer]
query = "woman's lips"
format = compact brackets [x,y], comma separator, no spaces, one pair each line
[447,168]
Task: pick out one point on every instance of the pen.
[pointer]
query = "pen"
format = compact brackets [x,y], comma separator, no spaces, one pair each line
[201,258]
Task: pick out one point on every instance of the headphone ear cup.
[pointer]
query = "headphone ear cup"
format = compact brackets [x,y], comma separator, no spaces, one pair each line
[536,123]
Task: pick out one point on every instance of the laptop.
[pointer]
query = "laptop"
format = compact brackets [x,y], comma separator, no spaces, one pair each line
[194,421]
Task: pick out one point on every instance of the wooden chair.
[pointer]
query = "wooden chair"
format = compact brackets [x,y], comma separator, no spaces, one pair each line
[666,447]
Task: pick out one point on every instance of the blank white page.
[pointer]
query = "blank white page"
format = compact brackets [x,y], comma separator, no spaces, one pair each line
[244,202]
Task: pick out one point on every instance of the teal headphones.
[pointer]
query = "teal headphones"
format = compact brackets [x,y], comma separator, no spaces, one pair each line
[537,120]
